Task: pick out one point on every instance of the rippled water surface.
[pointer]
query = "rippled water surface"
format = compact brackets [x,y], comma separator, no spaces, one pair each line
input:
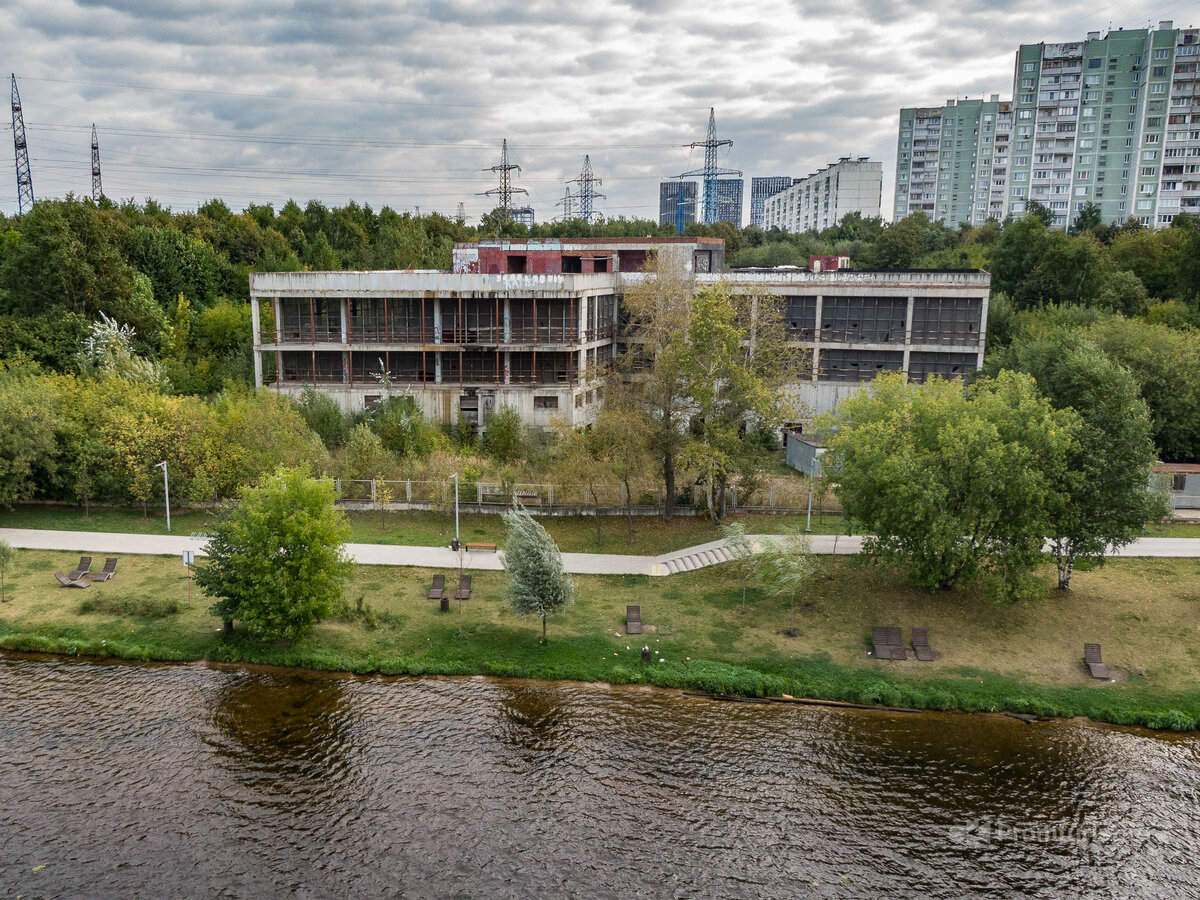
[188,781]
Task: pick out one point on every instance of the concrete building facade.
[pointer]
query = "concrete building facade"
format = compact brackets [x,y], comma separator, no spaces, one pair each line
[1113,120]
[540,339]
[824,198]
[760,190]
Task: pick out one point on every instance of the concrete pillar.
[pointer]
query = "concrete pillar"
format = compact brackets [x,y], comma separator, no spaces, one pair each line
[437,328]
[817,335]
[437,367]
[255,324]
[908,323]
[507,367]
[344,308]
[507,326]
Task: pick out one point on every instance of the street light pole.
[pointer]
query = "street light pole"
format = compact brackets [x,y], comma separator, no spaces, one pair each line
[166,490]
[456,542]
[812,469]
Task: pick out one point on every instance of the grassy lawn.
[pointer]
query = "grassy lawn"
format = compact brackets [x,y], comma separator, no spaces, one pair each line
[574,534]
[1146,613]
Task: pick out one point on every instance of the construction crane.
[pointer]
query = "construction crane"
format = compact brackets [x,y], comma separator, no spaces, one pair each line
[505,190]
[24,179]
[711,173]
[97,188]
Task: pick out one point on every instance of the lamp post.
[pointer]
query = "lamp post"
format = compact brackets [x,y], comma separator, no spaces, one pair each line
[166,490]
[455,477]
[812,471]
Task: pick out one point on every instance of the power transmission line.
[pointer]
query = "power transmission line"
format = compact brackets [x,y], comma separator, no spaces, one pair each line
[588,194]
[710,173]
[97,189]
[21,150]
[505,190]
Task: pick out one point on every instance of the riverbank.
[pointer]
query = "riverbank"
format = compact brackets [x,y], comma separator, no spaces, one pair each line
[1024,658]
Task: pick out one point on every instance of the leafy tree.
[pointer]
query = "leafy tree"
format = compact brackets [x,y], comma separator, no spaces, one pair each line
[403,428]
[324,416]
[7,557]
[785,567]
[740,360]
[503,435]
[900,244]
[277,561]
[537,584]
[738,543]
[1039,211]
[1089,218]
[27,436]
[579,459]
[656,366]
[1123,292]
[1165,362]
[952,482]
[618,434]
[1104,499]
[365,455]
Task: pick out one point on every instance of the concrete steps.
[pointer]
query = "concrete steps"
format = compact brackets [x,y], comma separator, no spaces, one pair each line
[693,558]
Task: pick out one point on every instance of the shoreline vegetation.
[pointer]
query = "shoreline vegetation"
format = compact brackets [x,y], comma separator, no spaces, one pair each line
[1021,658]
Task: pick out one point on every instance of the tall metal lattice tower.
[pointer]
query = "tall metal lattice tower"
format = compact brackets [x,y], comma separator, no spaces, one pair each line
[588,195]
[505,190]
[710,173]
[24,179]
[568,204]
[97,188]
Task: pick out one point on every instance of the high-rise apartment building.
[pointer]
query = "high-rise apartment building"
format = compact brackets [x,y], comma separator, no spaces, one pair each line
[670,195]
[950,159]
[1112,120]
[824,198]
[760,190]
[729,200]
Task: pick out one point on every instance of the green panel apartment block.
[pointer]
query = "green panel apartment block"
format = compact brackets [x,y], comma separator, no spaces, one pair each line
[1112,120]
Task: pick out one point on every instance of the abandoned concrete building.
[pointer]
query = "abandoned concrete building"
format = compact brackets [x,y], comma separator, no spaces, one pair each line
[534,324]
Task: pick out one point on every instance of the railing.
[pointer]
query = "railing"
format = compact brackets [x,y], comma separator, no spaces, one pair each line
[606,499]
[491,336]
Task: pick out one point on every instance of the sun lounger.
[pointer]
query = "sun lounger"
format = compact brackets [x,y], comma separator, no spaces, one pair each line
[464,588]
[67,581]
[888,643]
[633,620]
[109,570]
[85,563]
[1091,658]
[438,588]
[920,642]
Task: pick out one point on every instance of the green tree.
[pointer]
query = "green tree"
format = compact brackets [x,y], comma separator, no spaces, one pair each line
[951,482]
[537,584]
[1123,292]
[785,567]
[325,417]
[738,543]
[28,451]
[403,428]
[654,371]
[1103,500]
[503,435]
[8,556]
[277,561]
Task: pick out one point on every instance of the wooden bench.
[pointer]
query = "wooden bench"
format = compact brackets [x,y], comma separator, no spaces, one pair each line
[481,546]
[633,620]
[1095,665]
[920,642]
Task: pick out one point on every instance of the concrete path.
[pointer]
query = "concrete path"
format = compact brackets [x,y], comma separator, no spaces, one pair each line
[100,543]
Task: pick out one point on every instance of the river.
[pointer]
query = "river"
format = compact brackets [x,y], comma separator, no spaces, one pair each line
[147,781]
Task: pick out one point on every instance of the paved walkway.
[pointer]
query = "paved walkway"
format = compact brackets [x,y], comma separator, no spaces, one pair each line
[99,543]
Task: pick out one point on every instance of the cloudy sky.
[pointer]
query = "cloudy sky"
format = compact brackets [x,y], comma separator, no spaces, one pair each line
[404,103]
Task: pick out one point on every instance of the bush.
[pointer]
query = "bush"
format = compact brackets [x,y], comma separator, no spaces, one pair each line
[504,436]
[122,605]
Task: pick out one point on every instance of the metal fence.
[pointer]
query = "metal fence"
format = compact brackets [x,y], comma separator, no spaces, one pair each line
[606,499]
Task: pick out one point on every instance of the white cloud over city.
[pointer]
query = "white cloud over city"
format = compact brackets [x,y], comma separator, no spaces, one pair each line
[405,103]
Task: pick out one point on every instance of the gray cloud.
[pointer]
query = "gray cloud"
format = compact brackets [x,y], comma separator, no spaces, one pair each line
[406,104]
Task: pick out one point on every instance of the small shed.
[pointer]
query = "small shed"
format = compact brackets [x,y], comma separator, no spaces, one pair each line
[1184,483]
[804,452]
